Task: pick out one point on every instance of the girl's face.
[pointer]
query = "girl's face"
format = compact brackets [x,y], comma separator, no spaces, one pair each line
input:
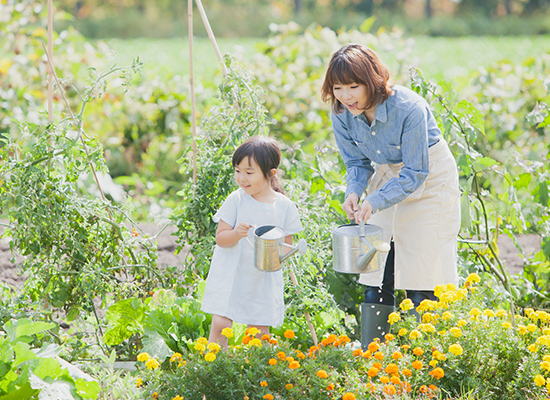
[251,179]
[352,96]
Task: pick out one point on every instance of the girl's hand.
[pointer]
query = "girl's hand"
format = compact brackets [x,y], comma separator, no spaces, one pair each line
[351,206]
[242,229]
[364,213]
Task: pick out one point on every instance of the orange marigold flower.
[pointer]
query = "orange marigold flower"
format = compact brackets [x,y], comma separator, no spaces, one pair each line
[372,372]
[274,342]
[281,355]
[391,368]
[289,386]
[395,380]
[246,339]
[406,372]
[263,383]
[397,355]
[384,379]
[294,365]
[357,353]
[379,355]
[322,374]
[377,365]
[268,396]
[272,361]
[389,389]
[266,337]
[389,337]
[417,364]
[437,373]
[289,334]
[330,387]
[373,347]
[348,396]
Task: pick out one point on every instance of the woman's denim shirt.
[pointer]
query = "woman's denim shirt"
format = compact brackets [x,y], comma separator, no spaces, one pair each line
[402,131]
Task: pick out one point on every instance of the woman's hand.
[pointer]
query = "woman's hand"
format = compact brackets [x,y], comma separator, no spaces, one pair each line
[351,206]
[365,213]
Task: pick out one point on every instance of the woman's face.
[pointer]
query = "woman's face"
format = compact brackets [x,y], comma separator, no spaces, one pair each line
[352,96]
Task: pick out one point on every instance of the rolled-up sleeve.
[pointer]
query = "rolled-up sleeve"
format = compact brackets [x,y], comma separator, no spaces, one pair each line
[358,167]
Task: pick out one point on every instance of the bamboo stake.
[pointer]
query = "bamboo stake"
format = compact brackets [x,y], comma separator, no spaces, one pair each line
[50,52]
[211,35]
[308,318]
[192,88]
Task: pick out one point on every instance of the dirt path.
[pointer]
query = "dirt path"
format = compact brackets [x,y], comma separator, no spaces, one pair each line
[10,272]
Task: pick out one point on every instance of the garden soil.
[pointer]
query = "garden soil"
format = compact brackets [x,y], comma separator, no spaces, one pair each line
[10,273]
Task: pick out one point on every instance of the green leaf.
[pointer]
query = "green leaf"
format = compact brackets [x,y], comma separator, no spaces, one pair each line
[25,392]
[155,344]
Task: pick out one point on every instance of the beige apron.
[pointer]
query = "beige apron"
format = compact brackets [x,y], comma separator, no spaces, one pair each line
[424,226]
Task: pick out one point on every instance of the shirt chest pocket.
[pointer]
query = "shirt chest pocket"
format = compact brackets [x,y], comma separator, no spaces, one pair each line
[393,154]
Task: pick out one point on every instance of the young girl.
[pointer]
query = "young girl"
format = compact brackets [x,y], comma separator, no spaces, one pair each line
[390,141]
[235,289]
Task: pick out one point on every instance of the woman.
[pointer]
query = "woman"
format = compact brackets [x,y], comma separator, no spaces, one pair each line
[389,140]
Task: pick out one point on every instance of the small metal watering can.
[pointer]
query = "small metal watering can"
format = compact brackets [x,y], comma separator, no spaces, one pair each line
[269,248]
[355,248]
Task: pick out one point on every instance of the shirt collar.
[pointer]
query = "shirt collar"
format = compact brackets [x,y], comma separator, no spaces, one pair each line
[380,113]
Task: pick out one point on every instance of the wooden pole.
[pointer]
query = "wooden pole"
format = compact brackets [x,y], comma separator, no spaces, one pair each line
[192,88]
[308,318]
[50,54]
[211,35]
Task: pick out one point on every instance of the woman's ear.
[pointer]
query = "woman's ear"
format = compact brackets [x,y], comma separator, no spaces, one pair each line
[273,173]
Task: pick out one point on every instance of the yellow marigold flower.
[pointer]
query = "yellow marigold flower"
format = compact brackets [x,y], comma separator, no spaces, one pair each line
[289,334]
[200,347]
[542,315]
[268,396]
[210,357]
[384,379]
[406,372]
[373,347]
[330,387]
[272,361]
[143,357]
[473,278]
[522,329]
[214,347]
[406,305]
[501,313]
[294,365]
[393,318]
[428,328]
[427,317]
[546,331]
[252,331]
[256,342]
[379,355]
[417,364]
[289,386]
[506,325]
[461,294]
[489,313]
[281,355]
[414,334]
[175,357]
[263,383]
[392,368]
[322,374]
[455,331]
[417,351]
[405,347]
[202,340]
[402,332]
[539,380]
[155,395]
[545,365]
[439,355]
[372,372]
[531,327]
[389,389]
[437,373]
[544,340]
[348,396]
[529,311]
[475,312]
[532,348]
[448,297]
[227,332]
[397,355]
[433,363]
[447,315]
[456,349]
[139,382]
[178,397]
[461,323]
[546,357]
[439,290]
[152,363]
[426,305]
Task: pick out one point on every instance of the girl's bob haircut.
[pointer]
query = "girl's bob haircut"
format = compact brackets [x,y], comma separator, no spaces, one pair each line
[356,63]
[265,151]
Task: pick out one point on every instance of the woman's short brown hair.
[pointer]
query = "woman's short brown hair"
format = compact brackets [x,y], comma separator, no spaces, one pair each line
[356,63]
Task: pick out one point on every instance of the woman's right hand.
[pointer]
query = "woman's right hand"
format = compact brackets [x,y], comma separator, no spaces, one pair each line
[351,205]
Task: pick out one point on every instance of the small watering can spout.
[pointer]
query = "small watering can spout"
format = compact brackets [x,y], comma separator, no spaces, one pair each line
[301,247]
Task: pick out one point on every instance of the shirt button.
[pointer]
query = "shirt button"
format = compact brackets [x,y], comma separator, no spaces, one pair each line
[373,133]
[377,151]
[398,147]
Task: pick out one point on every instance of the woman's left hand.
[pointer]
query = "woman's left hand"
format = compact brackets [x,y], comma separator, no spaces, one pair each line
[364,213]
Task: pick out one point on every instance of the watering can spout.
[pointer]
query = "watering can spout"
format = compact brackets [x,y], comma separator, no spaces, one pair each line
[301,247]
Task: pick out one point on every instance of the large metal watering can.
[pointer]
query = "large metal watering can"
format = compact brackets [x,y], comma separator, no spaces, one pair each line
[356,248]
[269,248]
